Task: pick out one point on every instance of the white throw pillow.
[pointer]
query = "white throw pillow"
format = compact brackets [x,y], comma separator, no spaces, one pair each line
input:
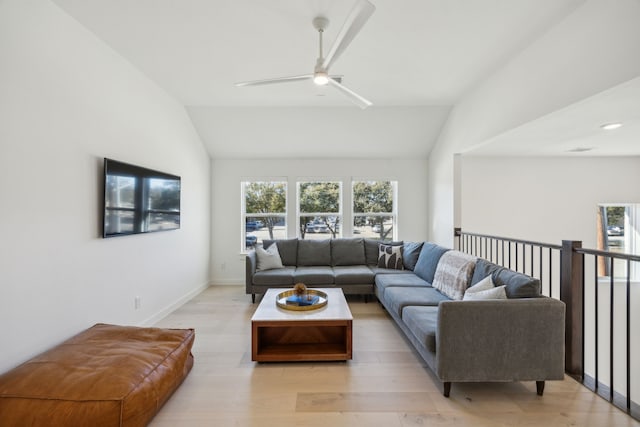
[485,289]
[268,259]
[482,285]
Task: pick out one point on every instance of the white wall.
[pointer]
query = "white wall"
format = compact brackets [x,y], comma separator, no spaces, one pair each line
[591,50]
[67,101]
[226,260]
[545,199]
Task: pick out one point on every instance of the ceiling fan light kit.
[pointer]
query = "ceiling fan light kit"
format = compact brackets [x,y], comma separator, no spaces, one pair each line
[356,19]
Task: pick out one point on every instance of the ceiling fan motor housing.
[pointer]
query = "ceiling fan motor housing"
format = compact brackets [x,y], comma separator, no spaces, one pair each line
[320,23]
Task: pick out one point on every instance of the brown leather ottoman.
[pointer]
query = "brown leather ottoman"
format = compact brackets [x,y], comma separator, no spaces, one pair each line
[105,376]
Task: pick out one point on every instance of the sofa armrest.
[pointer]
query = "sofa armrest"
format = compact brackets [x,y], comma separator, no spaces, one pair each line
[500,340]
[250,270]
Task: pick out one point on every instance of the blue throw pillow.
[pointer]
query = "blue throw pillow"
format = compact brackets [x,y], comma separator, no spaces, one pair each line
[428,261]
[411,253]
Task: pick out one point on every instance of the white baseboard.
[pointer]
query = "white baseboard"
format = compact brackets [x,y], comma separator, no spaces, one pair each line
[173,306]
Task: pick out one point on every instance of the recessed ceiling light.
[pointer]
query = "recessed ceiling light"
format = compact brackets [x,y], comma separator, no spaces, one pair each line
[610,126]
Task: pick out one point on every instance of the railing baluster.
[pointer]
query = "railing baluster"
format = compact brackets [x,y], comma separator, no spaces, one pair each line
[540,260]
[628,335]
[597,379]
[611,332]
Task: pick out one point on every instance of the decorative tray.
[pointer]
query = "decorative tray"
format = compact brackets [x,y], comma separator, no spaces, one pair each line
[284,300]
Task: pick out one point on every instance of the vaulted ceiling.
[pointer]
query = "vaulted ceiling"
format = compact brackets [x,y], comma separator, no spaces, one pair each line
[414,59]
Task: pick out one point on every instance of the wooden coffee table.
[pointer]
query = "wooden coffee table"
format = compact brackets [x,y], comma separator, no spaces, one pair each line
[280,335]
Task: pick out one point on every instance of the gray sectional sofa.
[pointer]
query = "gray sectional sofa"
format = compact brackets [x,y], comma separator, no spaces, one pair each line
[519,337]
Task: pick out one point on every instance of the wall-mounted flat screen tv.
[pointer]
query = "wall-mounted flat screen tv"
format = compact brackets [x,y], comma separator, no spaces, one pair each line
[139,200]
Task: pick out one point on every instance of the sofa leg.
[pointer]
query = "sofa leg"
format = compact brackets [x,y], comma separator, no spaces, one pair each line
[253,298]
[447,388]
[539,387]
[366,298]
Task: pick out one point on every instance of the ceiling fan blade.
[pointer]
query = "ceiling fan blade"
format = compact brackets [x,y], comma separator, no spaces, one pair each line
[353,97]
[358,16]
[276,80]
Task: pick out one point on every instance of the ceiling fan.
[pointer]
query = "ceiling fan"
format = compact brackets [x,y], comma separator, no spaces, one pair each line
[358,16]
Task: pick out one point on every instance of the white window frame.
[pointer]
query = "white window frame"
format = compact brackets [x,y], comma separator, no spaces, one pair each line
[393,214]
[339,215]
[245,216]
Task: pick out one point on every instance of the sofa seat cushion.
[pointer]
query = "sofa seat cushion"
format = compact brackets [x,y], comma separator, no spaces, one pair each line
[384,281]
[318,275]
[379,270]
[278,276]
[353,275]
[397,298]
[107,375]
[423,323]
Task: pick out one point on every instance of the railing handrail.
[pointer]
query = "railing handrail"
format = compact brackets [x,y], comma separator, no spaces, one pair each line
[608,254]
[459,233]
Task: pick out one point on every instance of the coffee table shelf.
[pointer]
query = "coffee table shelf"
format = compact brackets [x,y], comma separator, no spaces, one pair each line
[279,335]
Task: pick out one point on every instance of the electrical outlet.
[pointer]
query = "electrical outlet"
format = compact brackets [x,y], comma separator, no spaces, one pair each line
[137,302]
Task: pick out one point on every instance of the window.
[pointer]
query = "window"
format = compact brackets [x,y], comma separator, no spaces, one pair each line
[319,209]
[618,232]
[264,211]
[374,213]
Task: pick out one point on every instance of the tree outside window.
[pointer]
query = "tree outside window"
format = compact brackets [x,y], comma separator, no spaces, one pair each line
[374,209]
[319,209]
[265,212]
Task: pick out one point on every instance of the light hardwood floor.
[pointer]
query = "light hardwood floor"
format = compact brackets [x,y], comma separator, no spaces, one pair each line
[384,385]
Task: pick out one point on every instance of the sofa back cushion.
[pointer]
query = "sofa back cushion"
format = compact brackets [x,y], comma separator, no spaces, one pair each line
[371,248]
[347,252]
[517,285]
[288,250]
[314,252]
[410,254]
[483,269]
[454,273]
[428,261]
